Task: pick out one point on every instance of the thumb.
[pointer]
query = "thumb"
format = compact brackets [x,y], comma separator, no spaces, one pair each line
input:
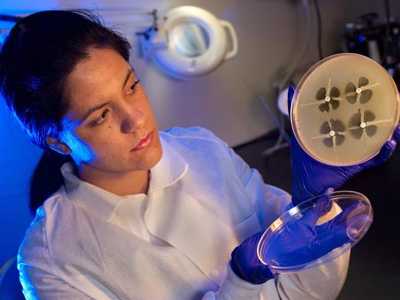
[386,152]
[396,134]
[290,97]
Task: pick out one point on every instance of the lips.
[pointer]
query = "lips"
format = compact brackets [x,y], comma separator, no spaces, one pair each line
[144,142]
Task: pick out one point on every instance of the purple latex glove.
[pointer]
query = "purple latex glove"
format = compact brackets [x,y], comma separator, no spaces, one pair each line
[311,178]
[245,263]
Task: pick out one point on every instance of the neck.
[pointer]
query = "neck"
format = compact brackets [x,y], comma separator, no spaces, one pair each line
[121,184]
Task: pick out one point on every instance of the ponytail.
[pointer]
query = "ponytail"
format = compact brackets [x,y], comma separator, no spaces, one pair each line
[46,178]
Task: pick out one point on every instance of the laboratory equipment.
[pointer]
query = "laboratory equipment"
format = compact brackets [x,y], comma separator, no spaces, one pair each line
[315,231]
[344,109]
[190,41]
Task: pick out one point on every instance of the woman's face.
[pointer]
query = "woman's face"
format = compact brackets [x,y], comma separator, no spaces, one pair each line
[109,116]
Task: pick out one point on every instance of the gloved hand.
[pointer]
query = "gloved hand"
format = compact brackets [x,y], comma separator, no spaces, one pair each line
[299,242]
[311,178]
[245,263]
[303,240]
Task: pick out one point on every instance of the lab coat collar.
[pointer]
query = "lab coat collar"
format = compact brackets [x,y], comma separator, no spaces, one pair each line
[173,214]
[169,169]
[182,220]
[88,196]
[180,217]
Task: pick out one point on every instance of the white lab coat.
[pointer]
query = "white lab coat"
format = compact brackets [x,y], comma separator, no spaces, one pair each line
[173,243]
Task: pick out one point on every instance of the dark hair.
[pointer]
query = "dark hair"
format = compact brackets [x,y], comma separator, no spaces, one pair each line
[37,56]
[46,178]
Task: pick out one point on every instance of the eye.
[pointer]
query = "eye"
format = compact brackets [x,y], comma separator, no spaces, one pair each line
[100,119]
[134,86]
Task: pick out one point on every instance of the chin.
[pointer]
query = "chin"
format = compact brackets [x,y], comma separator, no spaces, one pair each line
[152,157]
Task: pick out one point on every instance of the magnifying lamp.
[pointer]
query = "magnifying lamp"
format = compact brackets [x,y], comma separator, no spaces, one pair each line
[190,42]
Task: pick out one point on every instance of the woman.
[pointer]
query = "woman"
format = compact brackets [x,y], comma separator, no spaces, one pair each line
[142,214]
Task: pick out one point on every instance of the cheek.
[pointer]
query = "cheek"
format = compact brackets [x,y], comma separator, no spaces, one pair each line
[85,153]
[81,150]
[106,142]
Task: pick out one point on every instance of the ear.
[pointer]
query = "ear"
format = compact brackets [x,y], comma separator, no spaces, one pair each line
[58,146]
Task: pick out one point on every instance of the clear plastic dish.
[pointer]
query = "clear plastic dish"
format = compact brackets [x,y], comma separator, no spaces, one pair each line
[316,231]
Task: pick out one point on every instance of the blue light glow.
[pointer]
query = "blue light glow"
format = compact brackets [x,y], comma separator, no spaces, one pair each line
[17,162]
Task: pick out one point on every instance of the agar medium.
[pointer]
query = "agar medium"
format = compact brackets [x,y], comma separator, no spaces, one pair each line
[344,109]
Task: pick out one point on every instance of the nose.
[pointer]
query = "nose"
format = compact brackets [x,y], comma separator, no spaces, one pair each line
[132,120]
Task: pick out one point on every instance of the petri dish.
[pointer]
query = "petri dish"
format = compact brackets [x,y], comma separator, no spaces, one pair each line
[316,231]
[344,109]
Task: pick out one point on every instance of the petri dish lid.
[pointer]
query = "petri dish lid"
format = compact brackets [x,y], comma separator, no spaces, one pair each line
[316,231]
[344,109]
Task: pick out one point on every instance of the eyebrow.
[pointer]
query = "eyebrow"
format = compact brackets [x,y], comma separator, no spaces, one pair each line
[101,105]
[93,109]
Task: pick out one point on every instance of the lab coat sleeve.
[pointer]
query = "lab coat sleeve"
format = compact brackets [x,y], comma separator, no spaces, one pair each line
[39,284]
[234,288]
[36,274]
[321,282]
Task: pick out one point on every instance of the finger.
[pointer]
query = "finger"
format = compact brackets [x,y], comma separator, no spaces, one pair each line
[386,152]
[329,191]
[396,134]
